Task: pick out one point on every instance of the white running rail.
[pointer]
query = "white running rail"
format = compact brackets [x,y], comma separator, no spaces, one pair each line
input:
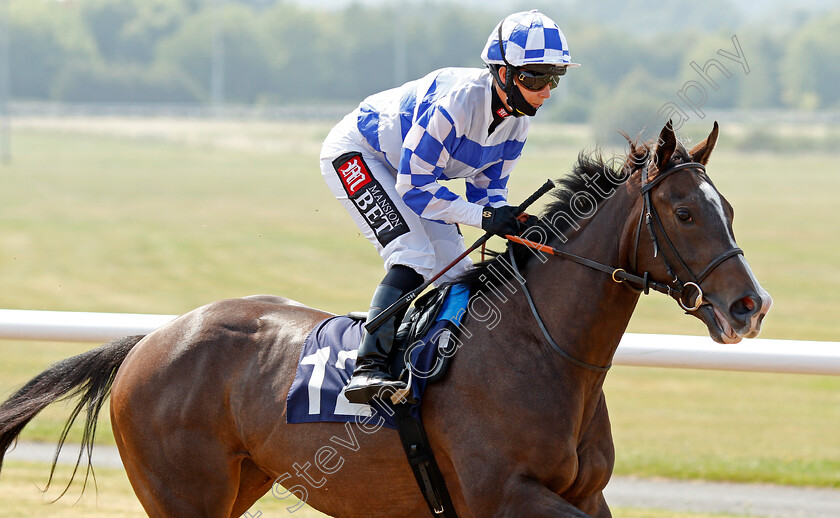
[692,352]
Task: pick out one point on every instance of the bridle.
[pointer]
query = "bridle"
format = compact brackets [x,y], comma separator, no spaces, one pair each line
[650,217]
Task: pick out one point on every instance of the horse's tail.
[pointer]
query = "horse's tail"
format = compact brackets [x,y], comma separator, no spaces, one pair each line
[89,375]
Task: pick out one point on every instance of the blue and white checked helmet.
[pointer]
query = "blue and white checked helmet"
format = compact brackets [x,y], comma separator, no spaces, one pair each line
[528,38]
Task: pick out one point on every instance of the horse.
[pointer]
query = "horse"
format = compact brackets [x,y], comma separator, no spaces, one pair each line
[519,423]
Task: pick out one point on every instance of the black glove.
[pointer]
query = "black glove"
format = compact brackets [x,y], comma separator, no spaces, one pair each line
[500,220]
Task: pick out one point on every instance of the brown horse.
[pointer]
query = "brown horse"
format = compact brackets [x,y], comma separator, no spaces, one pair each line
[519,424]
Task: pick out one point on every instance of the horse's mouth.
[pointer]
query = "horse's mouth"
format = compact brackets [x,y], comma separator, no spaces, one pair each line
[719,327]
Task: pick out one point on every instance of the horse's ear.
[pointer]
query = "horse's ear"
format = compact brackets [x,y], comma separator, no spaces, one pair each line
[701,151]
[666,146]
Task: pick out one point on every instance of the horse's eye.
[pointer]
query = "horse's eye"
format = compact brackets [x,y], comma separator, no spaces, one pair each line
[684,215]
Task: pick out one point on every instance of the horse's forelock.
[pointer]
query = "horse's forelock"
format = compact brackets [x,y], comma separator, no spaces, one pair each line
[641,150]
[638,153]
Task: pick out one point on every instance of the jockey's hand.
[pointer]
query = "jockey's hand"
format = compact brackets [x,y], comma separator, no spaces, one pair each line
[500,220]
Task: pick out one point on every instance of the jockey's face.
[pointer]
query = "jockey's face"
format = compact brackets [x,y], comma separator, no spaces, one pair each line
[535,99]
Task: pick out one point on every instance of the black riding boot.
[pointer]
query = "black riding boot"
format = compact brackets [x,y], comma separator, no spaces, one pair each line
[371,373]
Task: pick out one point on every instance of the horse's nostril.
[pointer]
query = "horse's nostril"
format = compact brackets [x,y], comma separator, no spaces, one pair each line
[748,303]
[744,307]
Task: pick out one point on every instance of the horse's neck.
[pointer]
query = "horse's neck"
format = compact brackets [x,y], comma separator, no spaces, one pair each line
[584,310]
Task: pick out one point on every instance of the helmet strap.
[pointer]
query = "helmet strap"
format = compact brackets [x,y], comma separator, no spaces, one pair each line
[515,99]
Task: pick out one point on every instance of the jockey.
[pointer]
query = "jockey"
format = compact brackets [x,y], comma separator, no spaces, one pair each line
[385,162]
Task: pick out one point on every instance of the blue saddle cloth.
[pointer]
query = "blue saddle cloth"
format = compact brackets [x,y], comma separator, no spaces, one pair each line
[328,358]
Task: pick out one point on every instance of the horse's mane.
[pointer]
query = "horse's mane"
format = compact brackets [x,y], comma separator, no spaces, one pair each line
[592,179]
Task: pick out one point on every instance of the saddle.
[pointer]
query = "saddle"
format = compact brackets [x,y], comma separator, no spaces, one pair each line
[424,322]
[425,343]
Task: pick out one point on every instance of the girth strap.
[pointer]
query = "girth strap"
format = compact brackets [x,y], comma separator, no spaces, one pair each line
[422,462]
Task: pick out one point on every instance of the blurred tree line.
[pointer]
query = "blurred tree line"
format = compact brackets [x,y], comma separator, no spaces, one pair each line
[281,53]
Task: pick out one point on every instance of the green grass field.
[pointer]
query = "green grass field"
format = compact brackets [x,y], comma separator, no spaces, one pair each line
[20,496]
[162,216]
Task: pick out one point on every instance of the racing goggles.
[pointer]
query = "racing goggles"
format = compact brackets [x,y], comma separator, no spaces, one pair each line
[536,81]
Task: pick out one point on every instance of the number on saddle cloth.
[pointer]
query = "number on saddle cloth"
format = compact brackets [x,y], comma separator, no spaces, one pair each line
[428,337]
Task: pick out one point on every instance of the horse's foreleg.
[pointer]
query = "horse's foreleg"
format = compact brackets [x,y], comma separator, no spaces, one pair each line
[596,506]
[522,497]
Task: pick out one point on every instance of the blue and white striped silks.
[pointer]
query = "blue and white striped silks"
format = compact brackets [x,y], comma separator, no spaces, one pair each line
[436,129]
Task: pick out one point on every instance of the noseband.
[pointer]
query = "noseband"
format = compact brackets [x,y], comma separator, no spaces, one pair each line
[619,275]
[651,216]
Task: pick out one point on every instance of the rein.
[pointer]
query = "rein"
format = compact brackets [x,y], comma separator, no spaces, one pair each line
[620,275]
[546,334]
